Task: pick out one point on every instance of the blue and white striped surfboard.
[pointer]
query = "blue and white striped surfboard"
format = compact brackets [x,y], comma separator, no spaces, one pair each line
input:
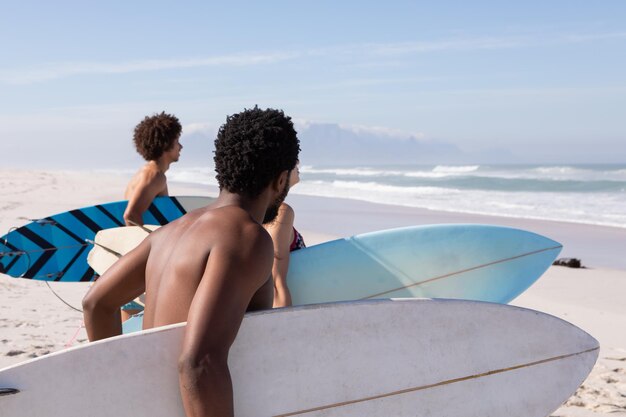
[55,248]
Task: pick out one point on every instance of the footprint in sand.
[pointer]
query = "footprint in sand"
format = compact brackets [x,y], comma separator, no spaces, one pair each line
[10,205]
[576,403]
[38,354]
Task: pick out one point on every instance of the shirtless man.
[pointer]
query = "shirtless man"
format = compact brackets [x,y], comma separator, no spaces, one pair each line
[156,139]
[212,265]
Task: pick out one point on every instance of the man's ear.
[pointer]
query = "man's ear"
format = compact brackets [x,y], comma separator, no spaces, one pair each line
[279,183]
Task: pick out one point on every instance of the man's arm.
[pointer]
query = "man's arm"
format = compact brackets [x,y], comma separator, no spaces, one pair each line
[122,282]
[150,185]
[234,272]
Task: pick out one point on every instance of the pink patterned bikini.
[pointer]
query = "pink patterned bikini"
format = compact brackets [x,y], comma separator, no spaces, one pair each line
[298,241]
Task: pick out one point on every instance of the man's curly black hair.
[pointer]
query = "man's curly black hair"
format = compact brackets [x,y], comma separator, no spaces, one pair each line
[252,148]
[156,134]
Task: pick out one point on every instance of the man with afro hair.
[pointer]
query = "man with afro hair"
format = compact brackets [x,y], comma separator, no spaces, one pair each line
[213,264]
[156,139]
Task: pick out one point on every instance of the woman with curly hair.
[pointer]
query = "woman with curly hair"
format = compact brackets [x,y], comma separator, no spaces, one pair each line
[156,139]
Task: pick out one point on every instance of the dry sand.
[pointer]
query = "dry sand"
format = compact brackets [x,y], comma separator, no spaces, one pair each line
[33,321]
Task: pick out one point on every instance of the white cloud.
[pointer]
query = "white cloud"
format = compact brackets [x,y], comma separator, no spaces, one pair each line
[593,37]
[200,128]
[445,45]
[61,70]
[383,131]
[303,124]
[508,42]
[68,69]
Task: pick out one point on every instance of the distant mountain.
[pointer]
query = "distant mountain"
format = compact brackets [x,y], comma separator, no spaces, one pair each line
[326,143]
[333,144]
[197,141]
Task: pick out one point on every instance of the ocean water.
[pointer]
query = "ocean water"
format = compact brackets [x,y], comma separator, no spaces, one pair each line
[593,194]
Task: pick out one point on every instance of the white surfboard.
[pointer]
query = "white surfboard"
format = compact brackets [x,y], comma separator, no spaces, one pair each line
[111,244]
[374,358]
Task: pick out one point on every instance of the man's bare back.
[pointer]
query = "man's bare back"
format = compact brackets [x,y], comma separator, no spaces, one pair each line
[216,252]
[148,176]
[173,276]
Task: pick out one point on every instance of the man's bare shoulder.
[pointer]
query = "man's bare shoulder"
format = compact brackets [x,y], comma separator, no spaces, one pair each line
[235,227]
[150,175]
[147,178]
[227,227]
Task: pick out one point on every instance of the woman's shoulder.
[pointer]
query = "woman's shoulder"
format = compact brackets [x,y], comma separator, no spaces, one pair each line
[283,221]
[286,215]
[286,210]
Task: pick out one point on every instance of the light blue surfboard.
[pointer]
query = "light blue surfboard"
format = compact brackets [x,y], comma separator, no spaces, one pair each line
[467,261]
[55,248]
[464,261]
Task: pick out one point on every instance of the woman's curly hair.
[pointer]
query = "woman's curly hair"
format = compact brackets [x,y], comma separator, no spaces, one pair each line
[156,134]
[252,148]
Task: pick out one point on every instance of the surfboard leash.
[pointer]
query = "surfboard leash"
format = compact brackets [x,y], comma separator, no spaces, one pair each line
[62,300]
[111,251]
[41,222]
[70,342]
[142,227]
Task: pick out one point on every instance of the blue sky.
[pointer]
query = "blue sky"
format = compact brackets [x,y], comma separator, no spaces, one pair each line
[544,80]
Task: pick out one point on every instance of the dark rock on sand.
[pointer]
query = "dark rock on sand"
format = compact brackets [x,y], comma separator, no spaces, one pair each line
[568,262]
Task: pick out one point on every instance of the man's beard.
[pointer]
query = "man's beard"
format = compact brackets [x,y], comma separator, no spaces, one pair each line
[272,210]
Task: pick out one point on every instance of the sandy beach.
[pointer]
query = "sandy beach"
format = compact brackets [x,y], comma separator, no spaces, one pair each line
[35,319]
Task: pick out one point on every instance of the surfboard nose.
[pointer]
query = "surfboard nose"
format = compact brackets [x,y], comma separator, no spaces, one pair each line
[470,261]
